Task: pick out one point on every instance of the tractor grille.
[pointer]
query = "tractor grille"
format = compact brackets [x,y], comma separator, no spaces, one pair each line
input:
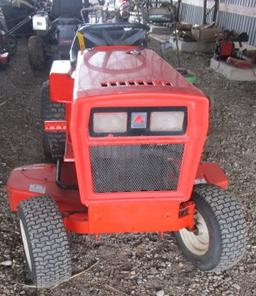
[136,167]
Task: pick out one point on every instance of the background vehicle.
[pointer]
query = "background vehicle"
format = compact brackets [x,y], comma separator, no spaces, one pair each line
[16,12]
[134,136]
[55,29]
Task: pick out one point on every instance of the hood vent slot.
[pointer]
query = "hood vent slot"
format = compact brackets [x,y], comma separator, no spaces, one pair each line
[135,83]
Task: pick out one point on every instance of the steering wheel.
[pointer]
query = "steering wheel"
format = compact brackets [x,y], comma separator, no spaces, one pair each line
[105,67]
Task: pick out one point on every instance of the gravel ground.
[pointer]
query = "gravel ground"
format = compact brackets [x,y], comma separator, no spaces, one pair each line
[131,264]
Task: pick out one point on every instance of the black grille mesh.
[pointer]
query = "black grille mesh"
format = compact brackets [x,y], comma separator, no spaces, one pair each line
[136,167]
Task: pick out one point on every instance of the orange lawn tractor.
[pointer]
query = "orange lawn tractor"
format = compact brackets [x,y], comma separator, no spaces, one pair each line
[126,132]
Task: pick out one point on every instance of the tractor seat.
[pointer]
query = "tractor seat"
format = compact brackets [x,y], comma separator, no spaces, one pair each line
[66,8]
[108,34]
[163,14]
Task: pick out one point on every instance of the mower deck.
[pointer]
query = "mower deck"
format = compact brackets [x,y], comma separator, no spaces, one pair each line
[105,216]
[40,180]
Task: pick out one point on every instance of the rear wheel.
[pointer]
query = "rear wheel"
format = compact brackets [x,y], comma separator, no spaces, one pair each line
[219,240]
[45,242]
[36,53]
[53,142]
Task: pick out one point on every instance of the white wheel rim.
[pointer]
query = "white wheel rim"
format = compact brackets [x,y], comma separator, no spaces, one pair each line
[197,242]
[25,244]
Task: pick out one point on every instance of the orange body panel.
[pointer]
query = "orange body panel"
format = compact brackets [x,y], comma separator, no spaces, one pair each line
[193,140]
[138,216]
[61,82]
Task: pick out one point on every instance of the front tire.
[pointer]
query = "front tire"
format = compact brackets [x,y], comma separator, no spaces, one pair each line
[45,242]
[219,240]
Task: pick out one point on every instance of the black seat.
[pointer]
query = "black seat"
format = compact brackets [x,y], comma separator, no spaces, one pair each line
[110,34]
[66,8]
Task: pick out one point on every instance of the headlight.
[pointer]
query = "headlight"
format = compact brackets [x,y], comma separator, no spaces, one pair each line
[167,121]
[112,122]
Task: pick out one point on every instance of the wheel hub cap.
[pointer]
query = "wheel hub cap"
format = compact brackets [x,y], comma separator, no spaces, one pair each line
[197,242]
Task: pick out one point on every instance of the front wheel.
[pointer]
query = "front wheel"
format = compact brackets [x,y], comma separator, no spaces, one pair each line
[45,242]
[219,239]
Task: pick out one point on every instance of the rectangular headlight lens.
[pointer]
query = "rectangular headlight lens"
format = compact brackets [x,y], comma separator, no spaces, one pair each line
[110,122]
[167,121]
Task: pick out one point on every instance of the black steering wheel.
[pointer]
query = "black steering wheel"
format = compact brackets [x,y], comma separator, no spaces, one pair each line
[110,34]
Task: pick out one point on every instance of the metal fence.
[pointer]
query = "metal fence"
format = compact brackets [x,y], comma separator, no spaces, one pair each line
[232,18]
[193,14]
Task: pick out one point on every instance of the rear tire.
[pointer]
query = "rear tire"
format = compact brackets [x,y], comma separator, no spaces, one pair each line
[219,241]
[45,242]
[36,53]
[53,142]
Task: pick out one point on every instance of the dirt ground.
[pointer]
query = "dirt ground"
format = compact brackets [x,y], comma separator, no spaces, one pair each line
[131,264]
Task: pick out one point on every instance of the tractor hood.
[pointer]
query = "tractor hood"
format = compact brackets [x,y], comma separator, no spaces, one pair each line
[106,70]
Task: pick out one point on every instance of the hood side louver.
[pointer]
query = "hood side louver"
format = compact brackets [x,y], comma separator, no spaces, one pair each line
[135,83]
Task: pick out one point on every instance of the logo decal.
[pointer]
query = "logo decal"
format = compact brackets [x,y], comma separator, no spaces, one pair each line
[38,188]
[139,120]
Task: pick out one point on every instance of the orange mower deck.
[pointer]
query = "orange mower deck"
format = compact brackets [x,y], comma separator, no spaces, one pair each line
[144,215]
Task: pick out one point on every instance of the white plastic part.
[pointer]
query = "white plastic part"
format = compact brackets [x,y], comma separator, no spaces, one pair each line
[113,122]
[40,22]
[167,121]
[198,243]
[4,55]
